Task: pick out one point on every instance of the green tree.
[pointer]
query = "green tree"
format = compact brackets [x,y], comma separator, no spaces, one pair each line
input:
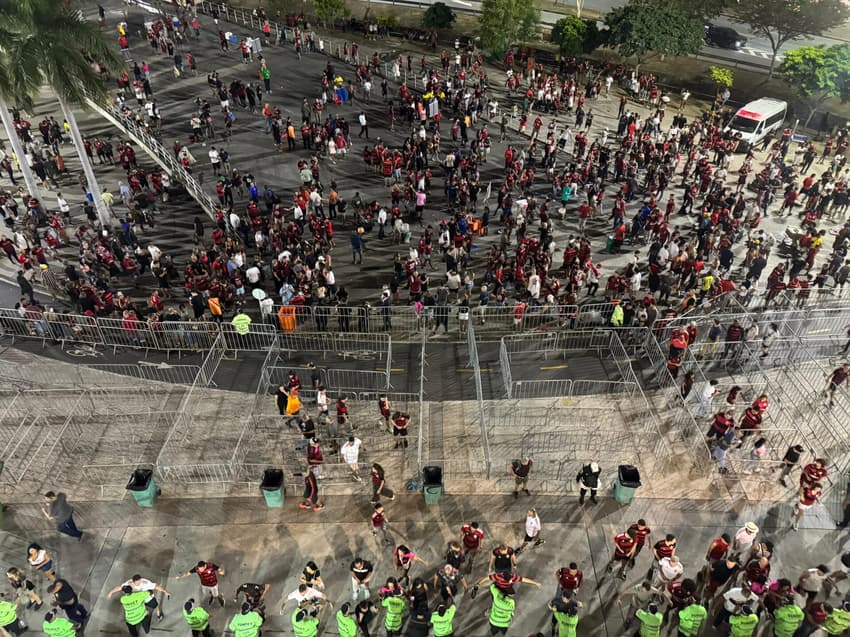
[641,30]
[721,76]
[438,16]
[49,43]
[818,73]
[329,10]
[699,9]
[781,21]
[575,36]
[504,23]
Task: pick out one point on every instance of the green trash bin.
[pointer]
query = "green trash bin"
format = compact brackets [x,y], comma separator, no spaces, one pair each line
[272,488]
[142,487]
[609,244]
[627,482]
[432,484]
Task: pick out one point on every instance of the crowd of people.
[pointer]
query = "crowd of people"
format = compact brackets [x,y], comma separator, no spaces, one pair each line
[735,587]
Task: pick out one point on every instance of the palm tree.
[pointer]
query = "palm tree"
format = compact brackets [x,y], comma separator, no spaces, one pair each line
[47,43]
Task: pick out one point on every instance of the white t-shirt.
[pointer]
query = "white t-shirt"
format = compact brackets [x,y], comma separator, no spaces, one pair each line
[310,594]
[143,584]
[351,451]
[532,525]
[735,595]
[669,569]
[253,274]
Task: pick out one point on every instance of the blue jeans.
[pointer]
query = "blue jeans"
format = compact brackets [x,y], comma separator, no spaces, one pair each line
[69,528]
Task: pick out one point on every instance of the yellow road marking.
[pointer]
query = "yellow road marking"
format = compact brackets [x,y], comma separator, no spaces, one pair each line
[548,367]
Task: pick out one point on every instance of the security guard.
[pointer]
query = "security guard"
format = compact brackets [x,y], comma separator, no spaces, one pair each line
[247,623]
[55,626]
[197,618]
[305,624]
[347,626]
[241,322]
[395,606]
[502,609]
[9,615]
[135,611]
[442,619]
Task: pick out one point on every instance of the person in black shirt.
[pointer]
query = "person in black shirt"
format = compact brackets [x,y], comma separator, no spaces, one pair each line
[255,596]
[65,597]
[789,461]
[361,573]
[454,555]
[520,469]
[364,614]
[502,560]
[418,624]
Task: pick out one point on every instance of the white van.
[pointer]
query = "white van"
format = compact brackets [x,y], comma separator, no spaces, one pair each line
[756,119]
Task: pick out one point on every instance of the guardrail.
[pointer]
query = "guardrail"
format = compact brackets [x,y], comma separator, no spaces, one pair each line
[162,156]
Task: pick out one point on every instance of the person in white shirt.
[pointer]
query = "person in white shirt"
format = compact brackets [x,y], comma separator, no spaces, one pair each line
[139,583]
[350,452]
[670,569]
[304,596]
[215,160]
[744,538]
[253,274]
[733,600]
[706,397]
[532,531]
[64,208]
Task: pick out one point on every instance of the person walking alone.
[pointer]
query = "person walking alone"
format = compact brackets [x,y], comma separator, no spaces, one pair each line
[588,479]
[61,513]
[532,531]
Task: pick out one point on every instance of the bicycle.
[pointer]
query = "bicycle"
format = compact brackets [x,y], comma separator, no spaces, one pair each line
[84,350]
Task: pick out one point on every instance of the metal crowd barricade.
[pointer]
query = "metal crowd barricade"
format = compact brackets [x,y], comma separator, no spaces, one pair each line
[260,337]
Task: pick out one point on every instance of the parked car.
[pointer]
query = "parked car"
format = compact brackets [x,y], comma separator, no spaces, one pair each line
[724,37]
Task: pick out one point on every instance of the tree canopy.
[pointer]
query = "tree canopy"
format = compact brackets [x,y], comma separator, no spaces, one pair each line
[575,36]
[504,23]
[46,42]
[783,20]
[817,73]
[438,16]
[329,10]
[643,29]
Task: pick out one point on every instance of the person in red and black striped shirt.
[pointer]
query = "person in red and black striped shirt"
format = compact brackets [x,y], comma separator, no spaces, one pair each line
[625,545]
[660,550]
[642,533]
[470,537]
[813,473]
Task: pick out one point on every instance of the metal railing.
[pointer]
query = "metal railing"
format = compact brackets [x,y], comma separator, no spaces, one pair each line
[161,155]
[475,364]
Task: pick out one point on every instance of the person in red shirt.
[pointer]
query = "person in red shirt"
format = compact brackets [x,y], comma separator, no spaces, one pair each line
[379,524]
[384,408]
[342,413]
[813,473]
[470,539]
[642,533]
[809,496]
[750,423]
[569,580]
[625,545]
[717,550]
[723,422]
[401,421]
[662,548]
[208,573]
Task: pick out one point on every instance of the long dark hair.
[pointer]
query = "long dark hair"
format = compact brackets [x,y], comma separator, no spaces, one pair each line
[378,469]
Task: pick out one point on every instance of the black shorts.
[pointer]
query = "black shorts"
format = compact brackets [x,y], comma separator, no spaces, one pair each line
[151,603]
[399,432]
[528,538]
[495,630]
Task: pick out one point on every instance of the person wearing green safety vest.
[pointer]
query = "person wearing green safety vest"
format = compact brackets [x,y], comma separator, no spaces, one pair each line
[617,316]
[441,620]
[198,619]
[650,621]
[565,616]
[501,610]
[247,623]
[744,624]
[9,615]
[787,618]
[135,612]
[395,606]
[305,624]
[346,624]
[55,626]
[241,322]
[691,619]
[838,620]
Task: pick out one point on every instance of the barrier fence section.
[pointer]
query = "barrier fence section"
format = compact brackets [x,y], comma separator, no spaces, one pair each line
[422,439]
[475,364]
[678,419]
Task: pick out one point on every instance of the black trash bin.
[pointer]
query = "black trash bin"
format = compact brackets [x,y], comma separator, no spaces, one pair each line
[628,480]
[142,487]
[272,488]
[432,484]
